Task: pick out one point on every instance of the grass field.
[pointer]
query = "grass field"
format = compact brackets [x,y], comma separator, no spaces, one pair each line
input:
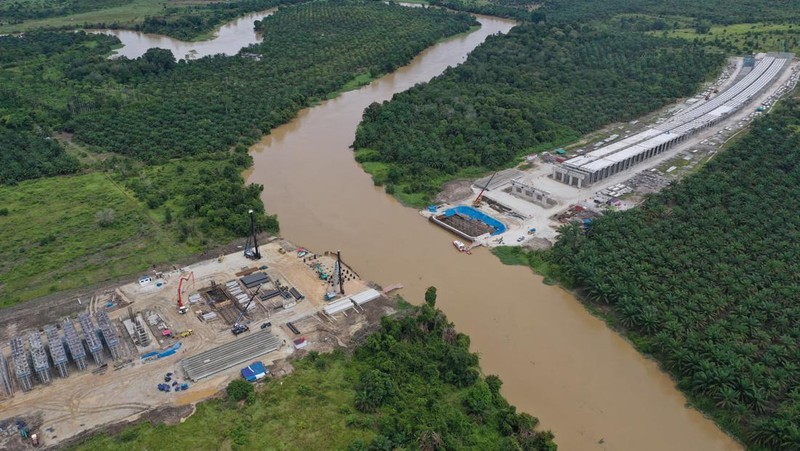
[746,38]
[288,414]
[51,238]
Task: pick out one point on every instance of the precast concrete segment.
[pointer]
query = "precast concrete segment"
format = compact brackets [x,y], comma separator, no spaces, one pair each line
[614,158]
[74,344]
[22,368]
[40,363]
[241,350]
[57,352]
[5,375]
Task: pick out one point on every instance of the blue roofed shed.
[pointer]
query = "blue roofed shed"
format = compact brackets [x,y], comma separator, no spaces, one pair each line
[254,372]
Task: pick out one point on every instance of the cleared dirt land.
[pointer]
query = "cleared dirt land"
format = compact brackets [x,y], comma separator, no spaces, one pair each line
[128,389]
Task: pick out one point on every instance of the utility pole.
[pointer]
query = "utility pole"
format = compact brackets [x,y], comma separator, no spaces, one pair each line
[339,260]
[256,254]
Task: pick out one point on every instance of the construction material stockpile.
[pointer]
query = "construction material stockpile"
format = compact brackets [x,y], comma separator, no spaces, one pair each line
[5,375]
[57,352]
[74,344]
[92,339]
[22,368]
[110,334]
[40,363]
[234,353]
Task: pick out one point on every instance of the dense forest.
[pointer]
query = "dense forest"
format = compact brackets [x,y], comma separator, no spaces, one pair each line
[715,11]
[705,277]
[190,22]
[517,9]
[173,135]
[309,51]
[582,11]
[26,154]
[414,384]
[15,11]
[182,20]
[535,87]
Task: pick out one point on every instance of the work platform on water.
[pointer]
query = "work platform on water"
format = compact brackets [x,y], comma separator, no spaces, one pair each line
[467,222]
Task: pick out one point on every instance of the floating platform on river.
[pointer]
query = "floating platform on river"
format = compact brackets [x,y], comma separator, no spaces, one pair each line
[468,222]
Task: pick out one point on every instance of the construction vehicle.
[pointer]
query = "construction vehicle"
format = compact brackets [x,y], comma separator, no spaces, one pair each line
[185,333]
[238,327]
[321,272]
[183,308]
[251,248]
[477,201]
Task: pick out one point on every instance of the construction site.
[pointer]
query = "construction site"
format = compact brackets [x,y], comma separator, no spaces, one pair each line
[199,324]
[614,168]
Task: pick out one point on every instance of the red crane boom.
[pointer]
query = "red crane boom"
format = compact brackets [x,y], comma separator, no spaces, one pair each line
[477,200]
[182,308]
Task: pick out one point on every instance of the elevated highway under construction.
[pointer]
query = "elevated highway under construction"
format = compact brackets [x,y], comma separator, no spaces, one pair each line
[628,160]
[606,161]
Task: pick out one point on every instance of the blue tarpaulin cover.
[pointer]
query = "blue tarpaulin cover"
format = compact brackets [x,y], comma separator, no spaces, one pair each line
[254,372]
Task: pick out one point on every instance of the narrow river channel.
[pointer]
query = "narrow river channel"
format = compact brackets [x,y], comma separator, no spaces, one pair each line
[228,39]
[557,361]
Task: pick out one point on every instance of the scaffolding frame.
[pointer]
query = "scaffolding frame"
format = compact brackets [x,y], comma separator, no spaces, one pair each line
[74,344]
[6,376]
[40,363]
[92,339]
[110,333]
[22,368]
[57,352]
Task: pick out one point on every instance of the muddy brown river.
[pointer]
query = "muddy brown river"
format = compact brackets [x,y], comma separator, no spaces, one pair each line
[227,40]
[557,361]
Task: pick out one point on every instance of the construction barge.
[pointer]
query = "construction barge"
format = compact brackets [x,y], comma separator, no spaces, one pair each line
[468,222]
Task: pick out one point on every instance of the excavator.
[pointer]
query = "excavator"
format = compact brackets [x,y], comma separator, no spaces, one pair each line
[183,308]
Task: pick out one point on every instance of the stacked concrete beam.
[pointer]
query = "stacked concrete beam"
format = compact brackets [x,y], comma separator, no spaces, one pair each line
[40,363]
[110,334]
[5,375]
[57,352]
[22,368]
[74,344]
[92,339]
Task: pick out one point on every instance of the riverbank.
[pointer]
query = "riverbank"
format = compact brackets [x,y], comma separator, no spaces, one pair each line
[187,20]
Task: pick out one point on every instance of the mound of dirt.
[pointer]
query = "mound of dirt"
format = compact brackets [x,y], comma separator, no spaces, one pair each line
[454,191]
[538,244]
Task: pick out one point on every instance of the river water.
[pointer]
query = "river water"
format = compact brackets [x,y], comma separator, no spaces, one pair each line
[557,361]
[228,40]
